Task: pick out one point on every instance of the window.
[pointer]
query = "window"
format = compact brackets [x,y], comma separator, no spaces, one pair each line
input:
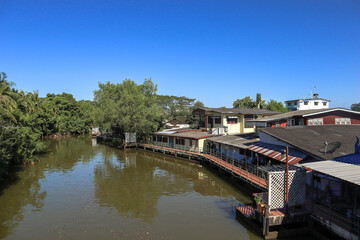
[154,138]
[289,104]
[342,121]
[249,116]
[316,103]
[315,121]
[165,139]
[182,141]
[306,103]
[177,141]
[232,120]
[324,103]
[218,120]
[290,122]
[190,143]
[295,103]
[241,151]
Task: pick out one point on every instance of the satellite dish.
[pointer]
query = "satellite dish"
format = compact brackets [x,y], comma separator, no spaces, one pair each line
[329,148]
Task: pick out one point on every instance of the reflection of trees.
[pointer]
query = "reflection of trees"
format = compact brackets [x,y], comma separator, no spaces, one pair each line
[23,188]
[132,182]
[64,153]
[15,193]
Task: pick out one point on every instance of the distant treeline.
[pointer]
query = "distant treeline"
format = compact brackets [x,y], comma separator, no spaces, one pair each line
[25,118]
[117,108]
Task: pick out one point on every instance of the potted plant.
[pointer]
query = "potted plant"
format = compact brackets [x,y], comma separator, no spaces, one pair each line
[260,205]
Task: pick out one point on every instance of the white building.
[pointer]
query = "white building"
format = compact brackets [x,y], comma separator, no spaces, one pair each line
[309,103]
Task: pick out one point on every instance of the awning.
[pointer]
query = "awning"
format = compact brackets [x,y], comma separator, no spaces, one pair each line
[274,151]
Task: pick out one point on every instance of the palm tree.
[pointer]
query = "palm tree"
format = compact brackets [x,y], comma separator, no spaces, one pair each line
[7,102]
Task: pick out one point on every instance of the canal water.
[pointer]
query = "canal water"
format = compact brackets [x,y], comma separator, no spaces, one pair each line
[83,190]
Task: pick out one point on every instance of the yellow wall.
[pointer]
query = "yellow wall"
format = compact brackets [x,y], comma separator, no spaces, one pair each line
[232,128]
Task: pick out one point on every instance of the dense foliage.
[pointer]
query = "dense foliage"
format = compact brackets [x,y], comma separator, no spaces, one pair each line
[25,118]
[128,107]
[355,107]
[259,103]
[178,110]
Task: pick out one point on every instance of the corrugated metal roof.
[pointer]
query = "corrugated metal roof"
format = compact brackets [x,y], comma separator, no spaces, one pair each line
[344,171]
[274,151]
[238,140]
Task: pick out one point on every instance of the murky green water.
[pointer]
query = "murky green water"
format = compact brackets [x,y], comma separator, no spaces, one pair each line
[81,190]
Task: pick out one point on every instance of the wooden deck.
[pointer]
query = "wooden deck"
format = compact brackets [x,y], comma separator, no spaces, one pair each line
[236,171]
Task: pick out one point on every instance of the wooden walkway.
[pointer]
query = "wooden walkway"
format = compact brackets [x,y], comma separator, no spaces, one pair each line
[235,170]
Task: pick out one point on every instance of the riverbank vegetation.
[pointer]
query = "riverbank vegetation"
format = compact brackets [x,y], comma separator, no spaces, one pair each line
[25,118]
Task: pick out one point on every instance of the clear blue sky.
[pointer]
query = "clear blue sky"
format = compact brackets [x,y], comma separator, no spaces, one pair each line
[214,51]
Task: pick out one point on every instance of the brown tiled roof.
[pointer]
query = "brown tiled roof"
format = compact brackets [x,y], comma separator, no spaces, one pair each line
[238,110]
[311,139]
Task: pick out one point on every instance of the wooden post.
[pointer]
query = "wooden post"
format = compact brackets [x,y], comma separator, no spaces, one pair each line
[287,180]
[266,219]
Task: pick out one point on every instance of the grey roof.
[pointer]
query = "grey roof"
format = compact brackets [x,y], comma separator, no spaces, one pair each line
[238,110]
[311,139]
[300,113]
[237,140]
[185,134]
[343,171]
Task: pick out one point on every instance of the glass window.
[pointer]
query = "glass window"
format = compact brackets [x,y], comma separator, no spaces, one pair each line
[232,120]
[316,103]
[324,103]
[342,121]
[315,121]
[306,103]
[217,120]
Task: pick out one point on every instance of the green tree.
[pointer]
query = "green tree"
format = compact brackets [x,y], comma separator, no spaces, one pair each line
[128,107]
[7,101]
[276,106]
[260,103]
[355,107]
[177,109]
[245,102]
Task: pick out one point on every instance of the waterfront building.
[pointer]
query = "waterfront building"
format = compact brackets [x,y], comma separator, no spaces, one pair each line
[188,140]
[220,121]
[333,196]
[308,103]
[337,116]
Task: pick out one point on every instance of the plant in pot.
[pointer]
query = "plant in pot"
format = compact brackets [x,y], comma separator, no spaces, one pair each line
[258,198]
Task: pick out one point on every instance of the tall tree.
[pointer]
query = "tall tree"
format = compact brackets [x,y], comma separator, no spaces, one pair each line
[245,102]
[276,106]
[355,107]
[260,103]
[128,107]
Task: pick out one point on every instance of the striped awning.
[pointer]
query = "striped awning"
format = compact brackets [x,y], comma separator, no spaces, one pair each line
[274,151]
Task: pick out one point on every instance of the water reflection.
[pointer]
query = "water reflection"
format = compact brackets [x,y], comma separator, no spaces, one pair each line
[81,190]
[133,182]
[21,190]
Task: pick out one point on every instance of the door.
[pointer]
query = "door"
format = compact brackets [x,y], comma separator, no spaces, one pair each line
[171,142]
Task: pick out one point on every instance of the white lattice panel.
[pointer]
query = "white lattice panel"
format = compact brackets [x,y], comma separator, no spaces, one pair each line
[277,181]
